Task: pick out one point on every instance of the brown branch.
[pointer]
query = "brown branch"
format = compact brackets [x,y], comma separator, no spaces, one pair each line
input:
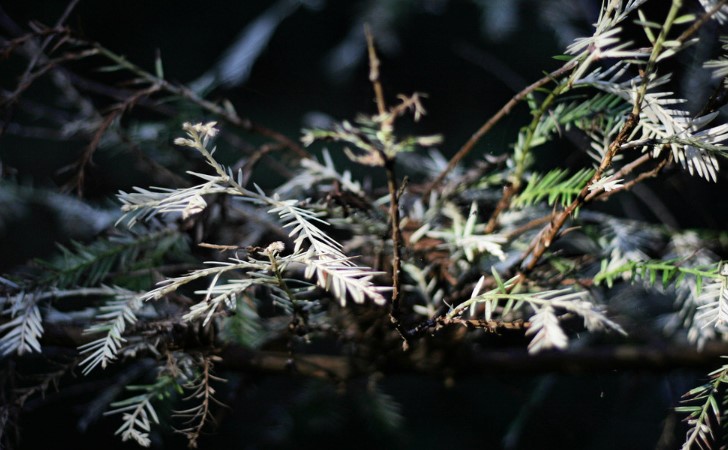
[701,21]
[546,237]
[389,162]
[308,365]
[717,99]
[38,55]
[603,195]
[508,192]
[493,359]
[39,52]
[587,359]
[374,72]
[535,223]
[225,113]
[490,123]
[117,93]
[549,233]
[87,155]
[66,83]
[645,175]
[396,246]
[202,392]
[48,66]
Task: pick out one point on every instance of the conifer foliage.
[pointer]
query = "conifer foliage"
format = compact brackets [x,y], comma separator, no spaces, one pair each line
[210,271]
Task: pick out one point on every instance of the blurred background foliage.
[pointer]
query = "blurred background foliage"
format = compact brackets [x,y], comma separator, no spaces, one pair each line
[293,64]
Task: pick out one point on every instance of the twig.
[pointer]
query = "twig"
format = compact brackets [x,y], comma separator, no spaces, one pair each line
[701,21]
[546,237]
[25,82]
[490,123]
[374,72]
[87,155]
[535,223]
[627,169]
[396,242]
[66,82]
[203,392]
[182,91]
[548,234]
[486,127]
[508,192]
[389,162]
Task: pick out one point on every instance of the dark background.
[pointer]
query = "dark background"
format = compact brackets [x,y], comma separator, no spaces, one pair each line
[470,61]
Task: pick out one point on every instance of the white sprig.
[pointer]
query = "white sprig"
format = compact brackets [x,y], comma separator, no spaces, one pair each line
[607,183]
[662,124]
[221,295]
[343,279]
[464,237]
[605,42]
[25,327]
[546,330]
[721,16]
[138,413]
[116,316]
[314,172]
[143,204]
[323,257]
[713,301]
[333,269]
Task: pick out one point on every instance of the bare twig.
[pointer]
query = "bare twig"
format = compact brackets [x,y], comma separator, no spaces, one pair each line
[490,123]
[228,114]
[508,192]
[39,52]
[87,155]
[374,72]
[202,393]
[627,169]
[389,163]
[687,34]
[396,242]
[38,55]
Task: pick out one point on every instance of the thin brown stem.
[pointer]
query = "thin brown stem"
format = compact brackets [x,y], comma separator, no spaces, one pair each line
[549,233]
[389,162]
[87,156]
[701,21]
[626,170]
[37,56]
[396,243]
[642,176]
[228,114]
[508,192]
[490,123]
[535,223]
[374,72]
